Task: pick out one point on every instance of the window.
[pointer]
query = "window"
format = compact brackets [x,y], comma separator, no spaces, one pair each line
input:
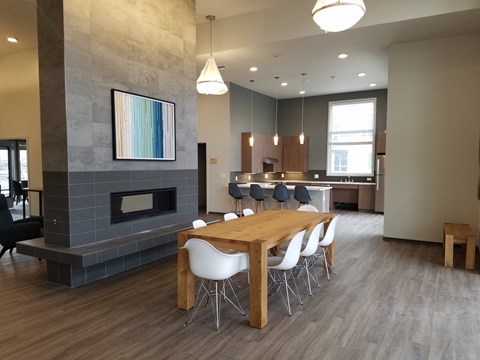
[351,134]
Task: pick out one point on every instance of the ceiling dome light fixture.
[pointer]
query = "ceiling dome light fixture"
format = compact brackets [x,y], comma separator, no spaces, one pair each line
[12,40]
[210,81]
[337,15]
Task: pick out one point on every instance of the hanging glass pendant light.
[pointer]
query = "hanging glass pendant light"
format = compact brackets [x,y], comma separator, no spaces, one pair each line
[251,139]
[275,137]
[338,15]
[302,135]
[210,81]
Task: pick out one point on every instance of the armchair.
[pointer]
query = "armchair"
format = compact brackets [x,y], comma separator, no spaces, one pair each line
[13,231]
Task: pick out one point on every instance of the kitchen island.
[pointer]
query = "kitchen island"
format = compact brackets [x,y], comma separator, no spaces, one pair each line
[321,195]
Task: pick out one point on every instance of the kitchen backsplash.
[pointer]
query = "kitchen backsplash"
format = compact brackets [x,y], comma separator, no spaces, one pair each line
[239,177]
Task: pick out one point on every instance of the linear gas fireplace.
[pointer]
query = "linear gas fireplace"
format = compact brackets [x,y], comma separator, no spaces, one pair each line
[133,205]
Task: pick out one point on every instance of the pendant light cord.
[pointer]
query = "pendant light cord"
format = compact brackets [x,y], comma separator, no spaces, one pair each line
[210,18]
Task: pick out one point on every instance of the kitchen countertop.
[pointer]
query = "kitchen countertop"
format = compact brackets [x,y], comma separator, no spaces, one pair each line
[321,182]
[270,186]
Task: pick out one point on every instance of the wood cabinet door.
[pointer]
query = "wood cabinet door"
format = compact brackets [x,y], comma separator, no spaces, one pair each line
[366,197]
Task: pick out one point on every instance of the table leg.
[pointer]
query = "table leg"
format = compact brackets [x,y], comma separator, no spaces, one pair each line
[186,280]
[448,261]
[23,202]
[331,254]
[470,260]
[258,285]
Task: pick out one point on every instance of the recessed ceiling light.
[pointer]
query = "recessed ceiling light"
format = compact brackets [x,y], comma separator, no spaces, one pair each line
[333,76]
[373,84]
[284,84]
[12,40]
[342,56]
[361,74]
[301,92]
[253,68]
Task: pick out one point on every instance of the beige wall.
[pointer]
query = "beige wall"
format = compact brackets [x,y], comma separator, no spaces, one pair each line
[20,108]
[214,130]
[433,137]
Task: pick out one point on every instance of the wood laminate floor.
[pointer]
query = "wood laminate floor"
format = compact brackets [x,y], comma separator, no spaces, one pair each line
[388,301]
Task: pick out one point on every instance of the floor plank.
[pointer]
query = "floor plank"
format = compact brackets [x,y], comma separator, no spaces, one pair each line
[390,300]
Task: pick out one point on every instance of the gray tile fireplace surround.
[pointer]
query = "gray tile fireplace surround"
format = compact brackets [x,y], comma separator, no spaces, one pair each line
[81,245]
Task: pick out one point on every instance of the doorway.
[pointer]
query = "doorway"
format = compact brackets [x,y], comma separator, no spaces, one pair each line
[13,166]
[202,177]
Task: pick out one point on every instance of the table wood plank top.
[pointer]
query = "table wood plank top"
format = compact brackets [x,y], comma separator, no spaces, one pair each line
[271,226]
[254,234]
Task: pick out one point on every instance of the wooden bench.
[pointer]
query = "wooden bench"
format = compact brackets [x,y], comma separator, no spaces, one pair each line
[458,234]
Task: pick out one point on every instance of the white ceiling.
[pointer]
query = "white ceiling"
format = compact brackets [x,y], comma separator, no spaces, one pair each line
[250,32]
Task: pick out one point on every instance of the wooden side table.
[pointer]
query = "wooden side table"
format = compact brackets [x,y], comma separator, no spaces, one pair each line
[458,234]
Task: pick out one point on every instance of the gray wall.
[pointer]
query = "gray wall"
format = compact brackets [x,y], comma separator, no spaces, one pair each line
[315,120]
[85,49]
[263,119]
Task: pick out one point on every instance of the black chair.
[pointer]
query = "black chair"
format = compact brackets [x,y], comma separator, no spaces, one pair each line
[236,194]
[13,231]
[17,191]
[302,195]
[258,196]
[280,193]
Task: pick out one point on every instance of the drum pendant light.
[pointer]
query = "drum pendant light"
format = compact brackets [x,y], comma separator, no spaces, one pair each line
[210,81]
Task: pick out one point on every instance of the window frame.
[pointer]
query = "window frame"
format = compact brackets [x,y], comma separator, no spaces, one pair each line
[331,104]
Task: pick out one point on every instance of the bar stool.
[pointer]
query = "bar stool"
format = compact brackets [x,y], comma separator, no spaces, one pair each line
[236,194]
[302,195]
[258,196]
[280,193]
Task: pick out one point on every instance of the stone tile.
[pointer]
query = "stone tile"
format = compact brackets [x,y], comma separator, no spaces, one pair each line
[82,202]
[127,249]
[79,276]
[95,272]
[107,254]
[131,261]
[114,266]
[65,274]
[112,176]
[147,256]
[81,177]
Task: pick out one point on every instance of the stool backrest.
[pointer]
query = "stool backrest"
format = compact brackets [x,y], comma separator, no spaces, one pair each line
[234,191]
[256,192]
[280,193]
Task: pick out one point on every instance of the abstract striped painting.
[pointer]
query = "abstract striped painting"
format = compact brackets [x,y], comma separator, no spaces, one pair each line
[144,128]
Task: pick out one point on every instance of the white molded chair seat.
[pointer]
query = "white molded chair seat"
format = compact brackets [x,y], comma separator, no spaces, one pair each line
[308,207]
[325,242]
[278,267]
[230,216]
[248,212]
[198,223]
[213,266]
[308,255]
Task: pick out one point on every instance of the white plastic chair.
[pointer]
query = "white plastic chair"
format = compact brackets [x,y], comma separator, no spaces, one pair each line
[325,242]
[308,207]
[198,223]
[278,267]
[308,255]
[248,212]
[230,216]
[213,266]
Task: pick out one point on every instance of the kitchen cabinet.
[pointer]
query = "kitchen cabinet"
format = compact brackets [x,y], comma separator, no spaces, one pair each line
[354,193]
[263,148]
[366,197]
[381,142]
[295,155]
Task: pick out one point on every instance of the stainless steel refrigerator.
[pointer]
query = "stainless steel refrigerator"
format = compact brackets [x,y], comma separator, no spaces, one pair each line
[380,182]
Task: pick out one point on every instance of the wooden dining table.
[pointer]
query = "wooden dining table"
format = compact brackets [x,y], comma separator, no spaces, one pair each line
[255,234]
